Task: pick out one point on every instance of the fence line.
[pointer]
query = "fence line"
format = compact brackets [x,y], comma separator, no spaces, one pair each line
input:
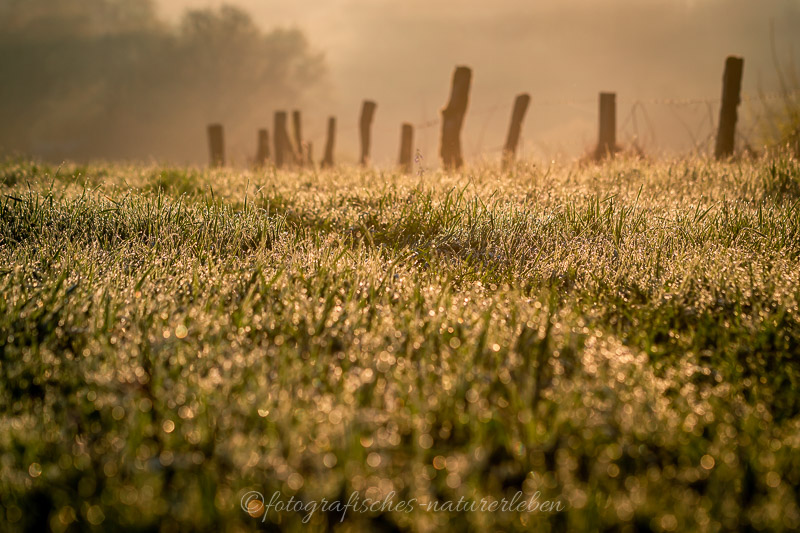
[638,126]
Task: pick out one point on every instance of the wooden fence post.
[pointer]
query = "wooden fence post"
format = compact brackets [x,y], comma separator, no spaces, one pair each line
[453,119]
[262,150]
[327,161]
[731,90]
[365,125]
[216,145]
[515,128]
[283,146]
[607,138]
[406,147]
[298,137]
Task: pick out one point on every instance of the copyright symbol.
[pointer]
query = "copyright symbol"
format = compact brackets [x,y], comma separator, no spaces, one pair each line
[253,503]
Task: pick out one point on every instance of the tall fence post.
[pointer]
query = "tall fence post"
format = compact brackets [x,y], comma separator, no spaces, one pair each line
[365,125]
[327,160]
[406,147]
[731,91]
[283,146]
[607,138]
[453,119]
[515,128]
[262,150]
[216,145]
[298,137]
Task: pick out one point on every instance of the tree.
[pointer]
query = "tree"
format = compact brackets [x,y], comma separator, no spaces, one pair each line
[106,78]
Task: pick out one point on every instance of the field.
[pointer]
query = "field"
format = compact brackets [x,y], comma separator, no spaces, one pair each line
[623,339]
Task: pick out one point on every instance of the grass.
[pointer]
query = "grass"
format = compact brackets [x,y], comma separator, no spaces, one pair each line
[624,339]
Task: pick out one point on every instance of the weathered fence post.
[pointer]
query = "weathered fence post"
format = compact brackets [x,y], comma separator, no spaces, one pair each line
[515,128]
[283,146]
[365,125]
[262,150]
[731,90]
[607,139]
[216,145]
[453,118]
[298,137]
[327,161]
[406,147]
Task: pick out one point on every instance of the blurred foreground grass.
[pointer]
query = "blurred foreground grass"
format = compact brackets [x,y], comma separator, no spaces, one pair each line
[624,339]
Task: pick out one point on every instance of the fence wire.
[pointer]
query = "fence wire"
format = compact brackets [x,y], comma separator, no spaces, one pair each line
[697,117]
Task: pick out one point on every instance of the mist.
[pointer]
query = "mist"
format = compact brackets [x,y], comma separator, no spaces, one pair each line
[109,79]
[136,79]
[402,55]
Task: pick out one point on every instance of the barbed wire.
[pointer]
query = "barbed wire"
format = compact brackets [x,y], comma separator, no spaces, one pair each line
[645,137]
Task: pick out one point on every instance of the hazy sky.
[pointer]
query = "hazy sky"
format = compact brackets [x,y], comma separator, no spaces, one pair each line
[563,52]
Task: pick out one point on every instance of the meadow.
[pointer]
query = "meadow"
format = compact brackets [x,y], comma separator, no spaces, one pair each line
[622,338]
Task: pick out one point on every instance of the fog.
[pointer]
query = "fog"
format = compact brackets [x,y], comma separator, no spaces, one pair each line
[402,54]
[109,79]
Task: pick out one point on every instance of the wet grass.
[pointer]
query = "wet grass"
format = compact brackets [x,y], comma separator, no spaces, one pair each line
[624,339]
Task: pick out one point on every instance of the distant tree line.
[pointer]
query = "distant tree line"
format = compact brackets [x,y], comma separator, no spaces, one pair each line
[109,79]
